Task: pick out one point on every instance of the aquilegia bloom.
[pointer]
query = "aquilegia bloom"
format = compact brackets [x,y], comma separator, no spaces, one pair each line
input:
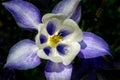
[59,39]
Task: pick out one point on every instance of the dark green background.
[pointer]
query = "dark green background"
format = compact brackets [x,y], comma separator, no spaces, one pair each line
[105,24]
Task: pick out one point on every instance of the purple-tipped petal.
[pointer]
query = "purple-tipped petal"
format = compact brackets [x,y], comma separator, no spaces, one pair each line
[27,16]
[43,38]
[47,50]
[64,32]
[57,71]
[62,49]
[51,27]
[95,46]
[23,55]
[69,8]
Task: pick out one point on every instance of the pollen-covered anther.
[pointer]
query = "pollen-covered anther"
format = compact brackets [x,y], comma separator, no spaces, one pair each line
[54,40]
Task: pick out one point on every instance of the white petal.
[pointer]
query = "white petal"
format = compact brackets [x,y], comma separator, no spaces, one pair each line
[37,38]
[77,32]
[52,57]
[73,50]
[42,54]
[57,17]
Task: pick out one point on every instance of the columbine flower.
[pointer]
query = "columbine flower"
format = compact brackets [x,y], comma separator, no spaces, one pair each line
[59,39]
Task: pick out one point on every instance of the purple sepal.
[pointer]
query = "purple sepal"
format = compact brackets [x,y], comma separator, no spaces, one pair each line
[77,14]
[95,46]
[69,8]
[26,15]
[23,55]
[57,71]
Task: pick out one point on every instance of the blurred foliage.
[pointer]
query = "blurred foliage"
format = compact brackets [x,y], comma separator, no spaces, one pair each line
[101,17]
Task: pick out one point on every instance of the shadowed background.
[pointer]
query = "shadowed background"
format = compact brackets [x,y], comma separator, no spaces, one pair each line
[101,17]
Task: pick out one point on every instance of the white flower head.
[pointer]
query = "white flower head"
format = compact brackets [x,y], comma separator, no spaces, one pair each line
[58,39]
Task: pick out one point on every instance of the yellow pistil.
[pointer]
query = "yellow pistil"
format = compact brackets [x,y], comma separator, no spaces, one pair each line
[54,40]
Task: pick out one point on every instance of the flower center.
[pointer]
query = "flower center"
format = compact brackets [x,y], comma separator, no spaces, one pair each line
[54,40]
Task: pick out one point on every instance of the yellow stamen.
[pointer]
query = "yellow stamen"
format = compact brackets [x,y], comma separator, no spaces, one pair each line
[54,40]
